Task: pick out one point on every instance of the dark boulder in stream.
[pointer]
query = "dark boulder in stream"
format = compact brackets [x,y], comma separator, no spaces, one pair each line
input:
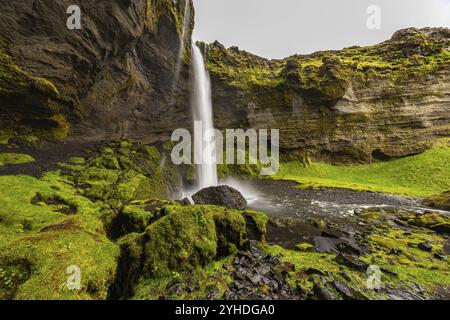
[221,196]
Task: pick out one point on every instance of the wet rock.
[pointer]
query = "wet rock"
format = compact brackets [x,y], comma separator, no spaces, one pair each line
[395,251]
[349,248]
[221,196]
[389,271]
[345,290]
[440,256]
[425,246]
[321,293]
[351,262]
[334,245]
[443,228]
[323,244]
[186,202]
[312,271]
[260,277]
[331,234]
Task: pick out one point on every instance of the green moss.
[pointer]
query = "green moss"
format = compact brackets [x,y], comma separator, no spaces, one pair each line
[186,242]
[241,69]
[38,241]
[422,175]
[30,98]
[13,80]
[319,223]
[49,224]
[5,136]
[78,160]
[173,10]
[326,75]
[182,240]
[15,158]
[413,264]
[49,254]
[124,172]
[304,247]
[46,86]
[260,220]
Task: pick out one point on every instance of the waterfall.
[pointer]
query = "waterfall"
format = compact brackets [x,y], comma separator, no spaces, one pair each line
[204,140]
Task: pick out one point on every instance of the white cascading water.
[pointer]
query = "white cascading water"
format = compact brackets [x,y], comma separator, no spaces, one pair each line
[204,145]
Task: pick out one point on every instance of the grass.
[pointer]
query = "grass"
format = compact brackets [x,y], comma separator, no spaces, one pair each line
[33,257]
[412,264]
[422,175]
[14,158]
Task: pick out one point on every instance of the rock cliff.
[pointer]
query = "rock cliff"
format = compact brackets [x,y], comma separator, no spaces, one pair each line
[114,78]
[125,75]
[354,105]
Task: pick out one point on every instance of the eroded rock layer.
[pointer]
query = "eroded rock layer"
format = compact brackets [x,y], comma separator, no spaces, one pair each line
[358,104]
[114,78]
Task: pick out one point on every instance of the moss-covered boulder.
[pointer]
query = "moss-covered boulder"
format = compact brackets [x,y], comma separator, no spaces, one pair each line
[188,237]
[185,240]
[29,104]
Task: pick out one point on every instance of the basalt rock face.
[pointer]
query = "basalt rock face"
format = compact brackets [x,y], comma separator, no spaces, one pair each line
[114,78]
[355,105]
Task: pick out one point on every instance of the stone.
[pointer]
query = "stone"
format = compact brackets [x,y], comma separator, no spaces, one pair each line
[443,228]
[440,256]
[345,290]
[221,196]
[389,271]
[330,234]
[425,246]
[186,202]
[321,293]
[352,262]
[395,251]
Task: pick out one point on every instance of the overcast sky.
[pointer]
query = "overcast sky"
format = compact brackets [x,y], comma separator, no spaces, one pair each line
[280,28]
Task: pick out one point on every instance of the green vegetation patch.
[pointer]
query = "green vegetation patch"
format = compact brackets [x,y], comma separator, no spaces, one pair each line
[394,242]
[213,278]
[46,227]
[441,201]
[326,74]
[188,242]
[421,175]
[15,158]
[50,226]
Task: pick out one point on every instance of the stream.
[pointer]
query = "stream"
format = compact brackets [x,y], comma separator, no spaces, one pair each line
[284,198]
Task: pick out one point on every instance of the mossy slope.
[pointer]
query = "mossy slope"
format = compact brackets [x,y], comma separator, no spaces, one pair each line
[422,175]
